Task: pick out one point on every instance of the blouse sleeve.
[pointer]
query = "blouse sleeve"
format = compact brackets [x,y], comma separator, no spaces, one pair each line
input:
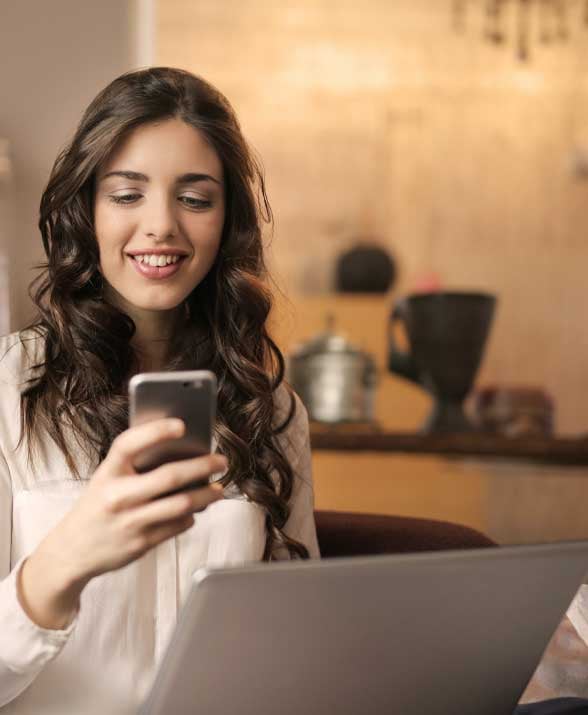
[25,648]
[295,442]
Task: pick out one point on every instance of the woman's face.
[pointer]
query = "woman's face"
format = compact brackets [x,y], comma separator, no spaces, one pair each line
[158,213]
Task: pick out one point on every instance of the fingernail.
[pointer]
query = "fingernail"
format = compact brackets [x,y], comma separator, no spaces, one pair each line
[176,425]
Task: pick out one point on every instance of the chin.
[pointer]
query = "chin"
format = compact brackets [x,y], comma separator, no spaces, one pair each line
[153,303]
[158,306]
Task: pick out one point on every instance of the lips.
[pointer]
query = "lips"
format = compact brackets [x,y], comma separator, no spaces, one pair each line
[156,272]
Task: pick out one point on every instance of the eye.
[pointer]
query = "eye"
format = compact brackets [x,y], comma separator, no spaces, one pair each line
[194,203]
[124,198]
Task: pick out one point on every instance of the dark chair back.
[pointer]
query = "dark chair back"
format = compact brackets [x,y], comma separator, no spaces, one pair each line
[348,534]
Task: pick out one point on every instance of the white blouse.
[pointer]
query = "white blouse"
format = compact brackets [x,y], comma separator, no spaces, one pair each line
[105,661]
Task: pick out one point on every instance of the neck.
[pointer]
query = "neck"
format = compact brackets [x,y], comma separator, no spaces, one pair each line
[154,331]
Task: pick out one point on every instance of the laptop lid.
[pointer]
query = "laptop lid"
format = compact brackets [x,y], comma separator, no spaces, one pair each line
[417,634]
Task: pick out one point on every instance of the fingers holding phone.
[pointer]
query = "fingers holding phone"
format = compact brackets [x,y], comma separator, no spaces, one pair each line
[122,515]
[158,471]
[167,494]
[177,503]
[126,448]
[190,477]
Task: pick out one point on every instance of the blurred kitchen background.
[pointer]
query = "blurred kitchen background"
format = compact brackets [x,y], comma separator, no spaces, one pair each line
[453,135]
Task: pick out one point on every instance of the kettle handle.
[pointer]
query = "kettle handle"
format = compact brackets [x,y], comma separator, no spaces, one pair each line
[402,363]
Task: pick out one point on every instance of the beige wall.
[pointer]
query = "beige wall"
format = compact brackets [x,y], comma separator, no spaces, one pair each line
[375,118]
[54,57]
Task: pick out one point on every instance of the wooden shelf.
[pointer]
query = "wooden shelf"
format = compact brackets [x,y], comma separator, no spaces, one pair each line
[548,450]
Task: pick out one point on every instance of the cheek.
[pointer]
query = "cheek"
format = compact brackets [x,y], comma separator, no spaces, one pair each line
[102,220]
[206,233]
[110,234]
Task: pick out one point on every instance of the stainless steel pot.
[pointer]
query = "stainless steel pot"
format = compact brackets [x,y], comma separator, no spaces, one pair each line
[335,380]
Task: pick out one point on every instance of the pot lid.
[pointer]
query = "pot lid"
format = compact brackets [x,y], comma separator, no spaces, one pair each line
[327,342]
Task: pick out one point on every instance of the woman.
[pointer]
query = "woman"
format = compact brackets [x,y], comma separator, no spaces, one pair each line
[151,226]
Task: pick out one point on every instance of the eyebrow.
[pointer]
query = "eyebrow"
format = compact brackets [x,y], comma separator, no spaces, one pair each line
[190,178]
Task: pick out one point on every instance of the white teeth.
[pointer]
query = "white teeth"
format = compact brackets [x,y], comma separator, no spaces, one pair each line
[153,260]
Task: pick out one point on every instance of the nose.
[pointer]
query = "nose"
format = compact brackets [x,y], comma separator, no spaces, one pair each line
[159,219]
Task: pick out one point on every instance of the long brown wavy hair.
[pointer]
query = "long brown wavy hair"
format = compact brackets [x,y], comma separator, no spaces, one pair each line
[81,384]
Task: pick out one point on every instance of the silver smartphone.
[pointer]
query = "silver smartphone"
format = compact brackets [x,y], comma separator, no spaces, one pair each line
[189,395]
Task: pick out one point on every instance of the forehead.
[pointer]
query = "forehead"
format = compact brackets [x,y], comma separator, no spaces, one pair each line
[168,148]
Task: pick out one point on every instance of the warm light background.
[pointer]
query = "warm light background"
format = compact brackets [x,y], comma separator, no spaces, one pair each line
[378,119]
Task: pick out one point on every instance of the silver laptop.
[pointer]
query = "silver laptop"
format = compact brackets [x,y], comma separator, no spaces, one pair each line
[445,633]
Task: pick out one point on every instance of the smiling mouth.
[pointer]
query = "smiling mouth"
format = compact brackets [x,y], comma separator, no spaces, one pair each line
[156,267]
